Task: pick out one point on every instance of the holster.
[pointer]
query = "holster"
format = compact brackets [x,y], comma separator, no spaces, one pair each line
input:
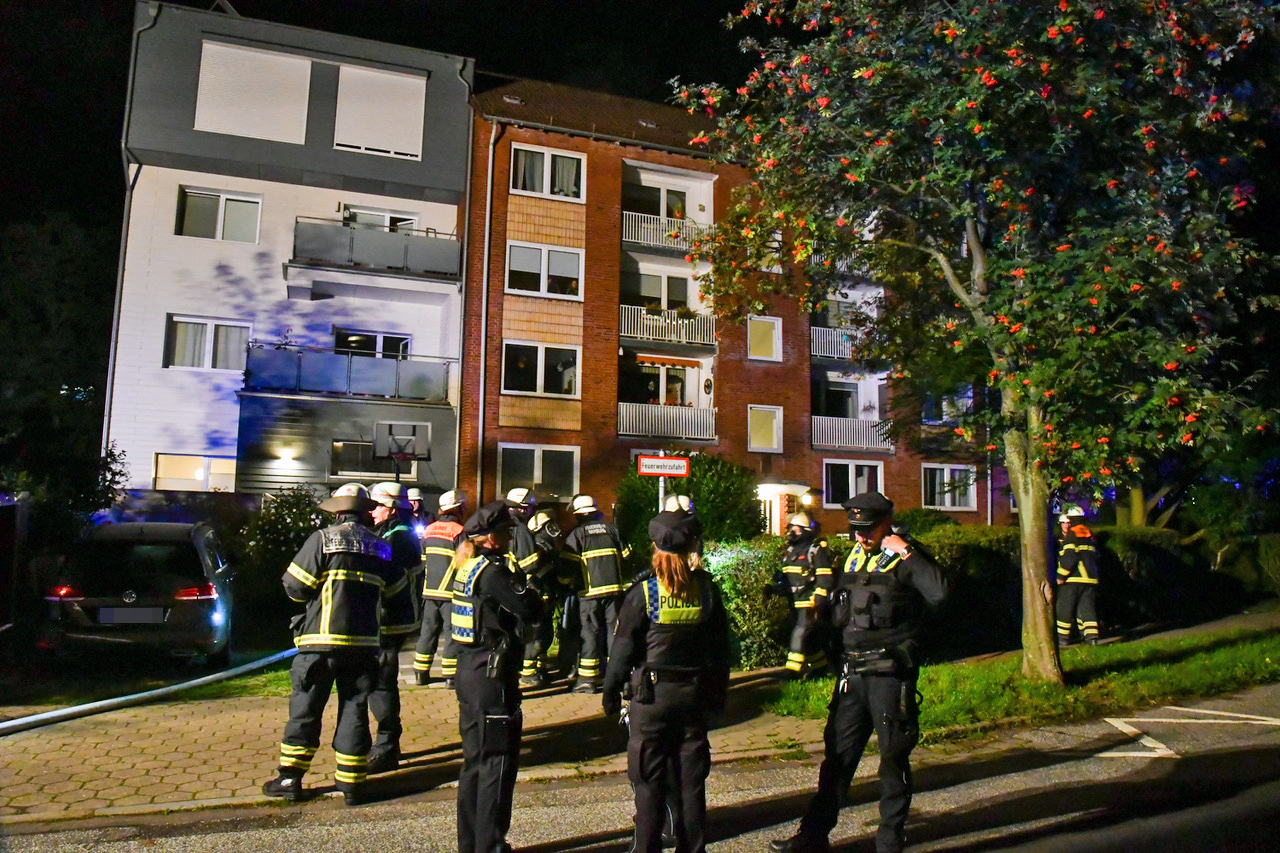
[642,681]
[499,656]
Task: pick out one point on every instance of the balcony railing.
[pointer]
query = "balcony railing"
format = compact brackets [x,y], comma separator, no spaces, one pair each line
[669,326]
[831,343]
[329,241]
[314,370]
[660,231]
[647,420]
[851,433]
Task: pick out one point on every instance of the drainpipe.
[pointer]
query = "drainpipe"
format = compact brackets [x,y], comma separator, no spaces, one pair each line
[462,290]
[127,158]
[484,312]
[989,510]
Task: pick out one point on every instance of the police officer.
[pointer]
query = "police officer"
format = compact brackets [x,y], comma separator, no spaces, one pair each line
[596,547]
[392,521]
[490,605]
[543,575]
[345,576]
[672,657]
[880,603]
[1077,579]
[524,559]
[440,541]
[806,578]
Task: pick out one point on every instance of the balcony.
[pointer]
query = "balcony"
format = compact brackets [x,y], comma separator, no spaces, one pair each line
[313,370]
[332,242]
[832,343]
[659,232]
[648,324]
[850,434]
[646,420]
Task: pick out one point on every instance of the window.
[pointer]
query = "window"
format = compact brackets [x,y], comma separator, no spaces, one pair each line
[181,473]
[544,270]
[843,479]
[653,290]
[666,202]
[764,338]
[375,344]
[369,217]
[380,112]
[840,399]
[253,93]
[947,409]
[556,174]
[550,470]
[217,215]
[204,344]
[529,368]
[764,429]
[356,459]
[949,486]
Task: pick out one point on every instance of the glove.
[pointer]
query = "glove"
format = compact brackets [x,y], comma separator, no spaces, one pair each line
[611,701]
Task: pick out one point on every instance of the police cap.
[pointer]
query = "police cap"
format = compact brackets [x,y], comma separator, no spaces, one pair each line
[868,509]
[489,518]
[674,532]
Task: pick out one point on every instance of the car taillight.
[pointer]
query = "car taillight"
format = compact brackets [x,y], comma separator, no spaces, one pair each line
[203,592]
[64,593]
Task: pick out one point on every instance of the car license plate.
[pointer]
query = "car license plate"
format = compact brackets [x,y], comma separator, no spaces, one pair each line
[130,615]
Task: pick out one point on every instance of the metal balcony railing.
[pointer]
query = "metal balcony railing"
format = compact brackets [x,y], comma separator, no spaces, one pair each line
[850,433]
[421,252]
[660,231]
[831,343]
[647,420]
[316,370]
[654,325]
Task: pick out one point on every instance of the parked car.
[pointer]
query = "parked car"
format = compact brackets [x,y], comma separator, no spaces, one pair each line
[159,586]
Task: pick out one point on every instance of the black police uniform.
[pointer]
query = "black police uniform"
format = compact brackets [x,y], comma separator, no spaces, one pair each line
[345,576]
[878,610]
[489,607]
[672,654]
[1077,600]
[597,547]
[439,542]
[384,701]
[807,578]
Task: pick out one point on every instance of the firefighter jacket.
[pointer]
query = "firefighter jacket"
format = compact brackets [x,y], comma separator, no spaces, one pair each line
[808,571]
[881,599]
[344,575]
[491,603]
[439,542]
[406,553]
[596,547]
[1078,557]
[523,553]
[680,638]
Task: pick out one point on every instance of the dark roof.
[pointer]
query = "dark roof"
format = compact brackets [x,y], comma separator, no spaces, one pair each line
[594,114]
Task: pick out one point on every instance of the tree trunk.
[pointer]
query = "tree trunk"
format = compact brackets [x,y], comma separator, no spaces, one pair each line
[1040,660]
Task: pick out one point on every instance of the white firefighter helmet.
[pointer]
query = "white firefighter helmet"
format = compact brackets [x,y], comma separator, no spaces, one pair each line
[1070,513]
[452,499]
[678,503]
[543,520]
[801,520]
[414,494]
[389,494]
[583,504]
[521,497]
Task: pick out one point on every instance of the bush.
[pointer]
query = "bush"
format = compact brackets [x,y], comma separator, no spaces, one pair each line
[758,625]
[267,544]
[983,613]
[1251,561]
[918,521]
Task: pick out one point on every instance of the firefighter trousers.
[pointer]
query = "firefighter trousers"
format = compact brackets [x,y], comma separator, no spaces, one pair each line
[436,614]
[313,675]
[384,701]
[599,619]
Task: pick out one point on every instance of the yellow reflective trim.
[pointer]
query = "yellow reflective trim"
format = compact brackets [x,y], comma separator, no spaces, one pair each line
[442,552]
[300,763]
[351,760]
[358,576]
[324,639]
[600,590]
[294,749]
[821,591]
[303,575]
[599,552]
[351,778]
[1078,579]
[528,561]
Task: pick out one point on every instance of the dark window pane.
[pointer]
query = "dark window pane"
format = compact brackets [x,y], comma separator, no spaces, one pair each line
[836,483]
[638,199]
[675,204]
[517,467]
[677,292]
[566,176]
[356,343]
[525,269]
[557,473]
[198,214]
[519,368]
[560,374]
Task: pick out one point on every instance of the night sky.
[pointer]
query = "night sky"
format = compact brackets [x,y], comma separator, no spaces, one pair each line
[65,66]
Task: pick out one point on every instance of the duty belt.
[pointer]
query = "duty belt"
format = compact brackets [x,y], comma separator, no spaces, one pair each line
[870,662]
[671,676]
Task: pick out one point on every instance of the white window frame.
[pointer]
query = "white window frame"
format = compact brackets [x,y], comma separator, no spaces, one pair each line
[537,465]
[548,154]
[543,346]
[777,429]
[544,272]
[409,472]
[407,219]
[949,495]
[850,464]
[211,324]
[776,322]
[380,338]
[203,462]
[665,274]
[953,407]
[223,197]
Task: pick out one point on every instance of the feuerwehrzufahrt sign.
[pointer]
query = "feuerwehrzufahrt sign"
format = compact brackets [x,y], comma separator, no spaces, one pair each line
[663,466]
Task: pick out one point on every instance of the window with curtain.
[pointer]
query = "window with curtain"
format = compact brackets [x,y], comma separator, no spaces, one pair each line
[764,338]
[205,344]
[543,172]
[764,429]
[544,270]
[948,486]
[842,480]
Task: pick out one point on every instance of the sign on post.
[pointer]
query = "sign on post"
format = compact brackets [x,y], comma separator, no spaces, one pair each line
[663,466]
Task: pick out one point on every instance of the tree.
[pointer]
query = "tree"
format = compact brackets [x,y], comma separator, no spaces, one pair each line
[1047,193]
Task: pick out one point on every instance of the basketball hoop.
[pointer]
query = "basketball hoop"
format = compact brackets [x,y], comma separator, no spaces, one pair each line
[403,457]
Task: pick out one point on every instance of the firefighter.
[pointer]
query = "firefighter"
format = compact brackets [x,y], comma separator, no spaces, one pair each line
[879,606]
[345,577]
[393,522]
[421,515]
[671,657]
[543,576]
[490,606]
[439,543]
[524,559]
[806,578]
[596,548]
[1077,604]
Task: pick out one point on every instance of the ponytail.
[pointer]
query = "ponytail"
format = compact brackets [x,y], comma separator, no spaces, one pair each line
[674,571]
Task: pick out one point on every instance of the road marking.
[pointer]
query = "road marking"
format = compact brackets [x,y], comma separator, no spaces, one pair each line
[1156,749]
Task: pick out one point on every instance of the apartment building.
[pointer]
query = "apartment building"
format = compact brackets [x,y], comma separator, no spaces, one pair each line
[289,307]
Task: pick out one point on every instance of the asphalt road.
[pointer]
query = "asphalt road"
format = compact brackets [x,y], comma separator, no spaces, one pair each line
[1200,777]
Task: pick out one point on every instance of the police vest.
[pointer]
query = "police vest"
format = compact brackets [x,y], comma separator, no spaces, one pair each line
[675,641]
[438,544]
[873,597]
[467,621]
